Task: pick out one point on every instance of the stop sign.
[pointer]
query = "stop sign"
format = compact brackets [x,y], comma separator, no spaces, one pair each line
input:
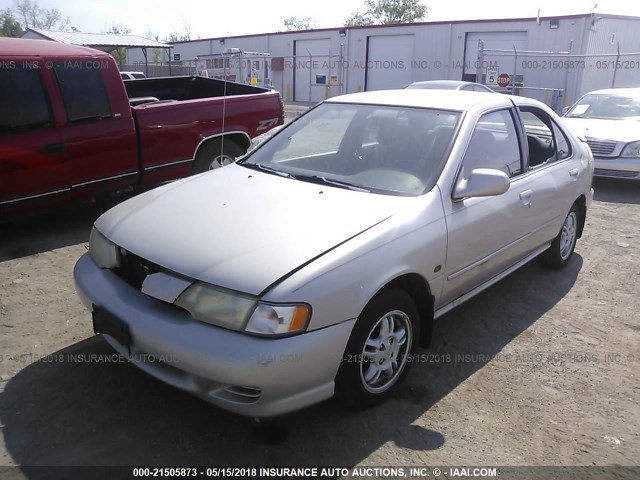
[504,80]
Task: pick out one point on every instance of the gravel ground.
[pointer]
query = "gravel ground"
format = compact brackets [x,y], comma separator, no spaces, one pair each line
[541,369]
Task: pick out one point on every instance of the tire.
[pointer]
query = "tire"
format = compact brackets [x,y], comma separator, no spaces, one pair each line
[561,250]
[385,334]
[211,155]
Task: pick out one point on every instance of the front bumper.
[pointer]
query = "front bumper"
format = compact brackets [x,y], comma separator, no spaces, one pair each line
[248,375]
[617,167]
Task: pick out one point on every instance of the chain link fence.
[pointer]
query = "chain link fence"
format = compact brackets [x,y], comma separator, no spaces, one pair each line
[556,78]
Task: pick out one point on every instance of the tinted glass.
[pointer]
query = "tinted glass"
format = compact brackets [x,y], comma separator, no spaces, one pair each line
[396,150]
[23,102]
[494,144]
[83,91]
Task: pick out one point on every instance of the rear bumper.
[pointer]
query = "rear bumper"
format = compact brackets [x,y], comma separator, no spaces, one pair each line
[248,375]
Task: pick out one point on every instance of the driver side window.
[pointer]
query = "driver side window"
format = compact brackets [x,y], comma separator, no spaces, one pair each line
[494,144]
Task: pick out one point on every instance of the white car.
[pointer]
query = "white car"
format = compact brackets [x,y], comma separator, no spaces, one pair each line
[132,75]
[315,265]
[610,121]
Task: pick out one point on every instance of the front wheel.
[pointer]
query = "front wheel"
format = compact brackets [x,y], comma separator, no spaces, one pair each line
[215,154]
[562,247]
[378,353]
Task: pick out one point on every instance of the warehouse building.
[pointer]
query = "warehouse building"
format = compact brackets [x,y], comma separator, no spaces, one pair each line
[553,59]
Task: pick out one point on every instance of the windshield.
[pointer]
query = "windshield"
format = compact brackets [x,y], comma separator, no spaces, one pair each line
[606,106]
[394,150]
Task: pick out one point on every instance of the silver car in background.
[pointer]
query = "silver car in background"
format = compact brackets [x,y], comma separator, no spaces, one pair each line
[610,121]
[315,266]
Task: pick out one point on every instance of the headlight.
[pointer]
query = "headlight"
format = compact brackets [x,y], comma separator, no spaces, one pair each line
[241,312]
[104,252]
[217,306]
[632,150]
[278,319]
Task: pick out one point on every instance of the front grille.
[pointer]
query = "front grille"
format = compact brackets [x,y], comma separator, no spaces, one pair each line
[604,172]
[135,269]
[602,147]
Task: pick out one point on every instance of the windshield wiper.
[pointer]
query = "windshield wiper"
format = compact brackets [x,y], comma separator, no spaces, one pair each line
[337,183]
[257,166]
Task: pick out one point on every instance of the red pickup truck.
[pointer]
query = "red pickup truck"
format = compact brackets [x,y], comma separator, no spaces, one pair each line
[70,127]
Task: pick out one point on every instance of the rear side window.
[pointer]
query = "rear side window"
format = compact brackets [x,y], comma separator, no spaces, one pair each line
[23,102]
[546,142]
[83,91]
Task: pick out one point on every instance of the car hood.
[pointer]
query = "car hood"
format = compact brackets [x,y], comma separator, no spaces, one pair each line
[617,130]
[239,228]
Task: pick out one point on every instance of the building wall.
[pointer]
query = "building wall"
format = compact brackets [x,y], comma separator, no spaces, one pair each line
[440,51]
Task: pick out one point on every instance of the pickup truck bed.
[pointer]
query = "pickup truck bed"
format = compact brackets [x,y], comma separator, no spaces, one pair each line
[71,128]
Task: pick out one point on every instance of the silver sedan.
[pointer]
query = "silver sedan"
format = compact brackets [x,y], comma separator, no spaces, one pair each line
[315,266]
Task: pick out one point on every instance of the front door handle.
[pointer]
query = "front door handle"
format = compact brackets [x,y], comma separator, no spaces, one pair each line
[53,148]
[573,172]
[526,197]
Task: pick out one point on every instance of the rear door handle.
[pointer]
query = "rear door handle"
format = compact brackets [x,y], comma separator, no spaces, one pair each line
[526,197]
[573,172]
[53,148]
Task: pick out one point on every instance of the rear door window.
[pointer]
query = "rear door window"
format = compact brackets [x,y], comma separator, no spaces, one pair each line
[546,142]
[23,101]
[83,91]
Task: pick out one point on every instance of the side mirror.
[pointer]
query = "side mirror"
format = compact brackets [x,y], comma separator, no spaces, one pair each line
[482,182]
[565,110]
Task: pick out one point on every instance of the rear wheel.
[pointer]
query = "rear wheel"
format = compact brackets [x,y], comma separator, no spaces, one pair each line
[377,356]
[215,154]
[559,253]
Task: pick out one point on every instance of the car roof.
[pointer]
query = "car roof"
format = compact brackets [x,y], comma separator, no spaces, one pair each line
[617,91]
[443,83]
[457,100]
[31,47]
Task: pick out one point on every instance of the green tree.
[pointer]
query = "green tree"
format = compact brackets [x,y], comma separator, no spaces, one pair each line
[181,37]
[9,26]
[32,15]
[385,12]
[119,54]
[156,53]
[292,24]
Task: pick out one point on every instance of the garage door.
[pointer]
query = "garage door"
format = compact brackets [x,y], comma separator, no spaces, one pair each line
[389,60]
[492,41]
[311,69]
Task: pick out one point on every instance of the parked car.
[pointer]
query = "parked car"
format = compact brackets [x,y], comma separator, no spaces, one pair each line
[70,127]
[450,85]
[132,75]
[610,120]
[315,266]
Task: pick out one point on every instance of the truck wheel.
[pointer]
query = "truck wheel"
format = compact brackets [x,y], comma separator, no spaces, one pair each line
[378,354]
[215,154]
[561,249]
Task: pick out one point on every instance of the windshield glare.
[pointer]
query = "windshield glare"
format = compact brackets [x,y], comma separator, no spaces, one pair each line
[606,106]
[396,150]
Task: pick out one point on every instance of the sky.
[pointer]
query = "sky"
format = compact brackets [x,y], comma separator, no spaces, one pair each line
[216,18]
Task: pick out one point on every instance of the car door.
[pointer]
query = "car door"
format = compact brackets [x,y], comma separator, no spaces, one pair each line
[99,139]
[487,235]
[33,160]
[553,171]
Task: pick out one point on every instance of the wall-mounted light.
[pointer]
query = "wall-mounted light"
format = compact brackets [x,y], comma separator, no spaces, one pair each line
[222,41]
[554,23]
[343,32]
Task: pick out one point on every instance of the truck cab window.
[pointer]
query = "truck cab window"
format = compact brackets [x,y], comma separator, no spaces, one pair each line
[83,91]
[24,102]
